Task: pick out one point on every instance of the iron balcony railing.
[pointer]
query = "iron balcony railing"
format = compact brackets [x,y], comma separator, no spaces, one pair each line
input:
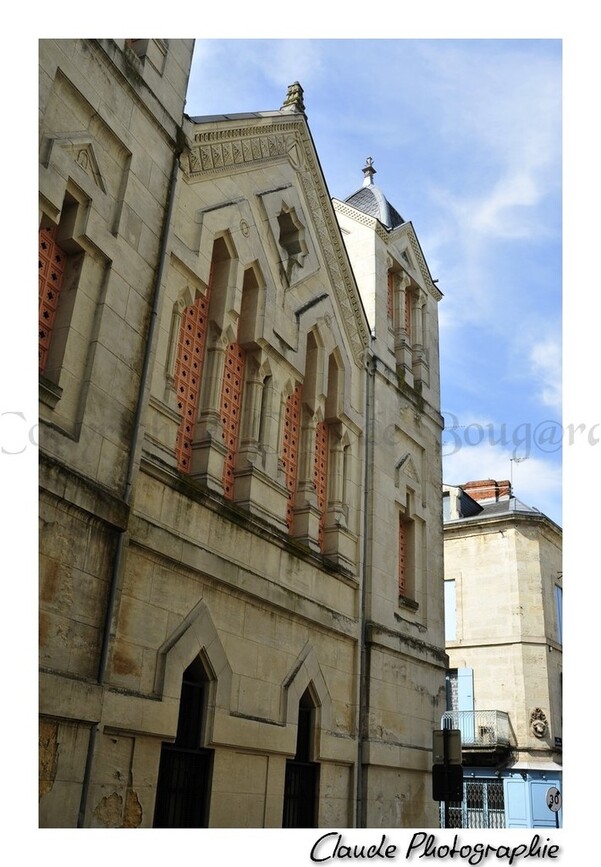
[479,728]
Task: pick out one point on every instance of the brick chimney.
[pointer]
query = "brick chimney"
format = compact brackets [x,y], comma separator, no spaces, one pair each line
[488,490]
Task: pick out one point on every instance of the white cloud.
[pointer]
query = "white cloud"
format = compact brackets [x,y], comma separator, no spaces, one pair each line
[499,213]
[293,60]
[545,363]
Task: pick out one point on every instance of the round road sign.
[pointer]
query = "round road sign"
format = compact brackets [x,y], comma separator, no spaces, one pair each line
[553,799]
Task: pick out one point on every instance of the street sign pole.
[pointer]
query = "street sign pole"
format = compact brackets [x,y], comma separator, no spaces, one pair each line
[553,798]
[447,773]
[445,741]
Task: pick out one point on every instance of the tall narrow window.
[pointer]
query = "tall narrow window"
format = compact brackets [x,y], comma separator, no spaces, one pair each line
[408,305]
[198,357]
[231,401]
[390,297]
[559,612]
[406,558]
[290,442]
[61,262]
[183,786]
[51,267]
[402,556]
[451,689]
[320,473]
[188,373]
[462,698]
[265,411]
[302,774]
[450,611]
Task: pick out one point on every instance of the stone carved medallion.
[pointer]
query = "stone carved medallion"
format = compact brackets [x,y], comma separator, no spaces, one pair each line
[538,723]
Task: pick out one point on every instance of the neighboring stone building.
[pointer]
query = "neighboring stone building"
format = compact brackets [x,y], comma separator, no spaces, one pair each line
[241,549]
[503,589]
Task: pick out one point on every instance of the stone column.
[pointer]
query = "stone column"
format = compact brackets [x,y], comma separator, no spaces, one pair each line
[208,448]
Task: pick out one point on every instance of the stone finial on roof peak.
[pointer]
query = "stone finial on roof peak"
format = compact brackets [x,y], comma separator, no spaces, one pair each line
[294,98]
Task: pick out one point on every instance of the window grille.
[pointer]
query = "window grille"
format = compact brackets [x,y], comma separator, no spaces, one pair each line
[402,557]
[408,313]
[188,372]
[300,794]
[183,788]
[290,442]
[301,786]
[184,781]
[390,296]
[51,266]
[320,473]
[483,806]
[231,400]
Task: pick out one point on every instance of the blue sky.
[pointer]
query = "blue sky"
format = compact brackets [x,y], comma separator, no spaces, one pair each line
[466,140]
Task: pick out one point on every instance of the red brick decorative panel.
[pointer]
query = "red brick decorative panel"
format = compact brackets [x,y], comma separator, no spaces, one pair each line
[51,266]
[390,295]
[402,556]
[231,402]
[290,443]
[188,373]
[320,473]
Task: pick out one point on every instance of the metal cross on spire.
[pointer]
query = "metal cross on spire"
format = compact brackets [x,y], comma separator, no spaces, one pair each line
[369,172]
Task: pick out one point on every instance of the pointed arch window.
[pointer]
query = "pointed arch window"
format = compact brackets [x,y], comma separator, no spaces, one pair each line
[184,781]
[211,368]
[188,375]
[195,355]
[301,788]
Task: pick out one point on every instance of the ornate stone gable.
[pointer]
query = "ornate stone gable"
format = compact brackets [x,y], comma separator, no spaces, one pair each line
[76,148]
[221,150]
[391,238]
[408,230]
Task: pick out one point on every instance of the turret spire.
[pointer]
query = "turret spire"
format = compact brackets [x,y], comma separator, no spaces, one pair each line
[369,172]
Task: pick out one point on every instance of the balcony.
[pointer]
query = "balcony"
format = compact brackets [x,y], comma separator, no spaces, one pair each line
[487,732]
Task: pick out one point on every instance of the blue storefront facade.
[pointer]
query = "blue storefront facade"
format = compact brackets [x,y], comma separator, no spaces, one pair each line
[512,798]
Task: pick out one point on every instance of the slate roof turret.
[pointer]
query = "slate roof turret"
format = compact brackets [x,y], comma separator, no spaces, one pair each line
[369,199]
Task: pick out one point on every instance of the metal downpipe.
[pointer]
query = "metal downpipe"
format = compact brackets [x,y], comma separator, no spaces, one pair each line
[361,802]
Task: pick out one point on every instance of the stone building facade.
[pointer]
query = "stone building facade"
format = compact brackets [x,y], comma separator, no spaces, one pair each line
[503,587]
[241,603]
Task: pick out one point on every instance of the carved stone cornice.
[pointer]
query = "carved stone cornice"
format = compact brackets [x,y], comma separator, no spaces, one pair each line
[364,219]
[220,150]
[419,256]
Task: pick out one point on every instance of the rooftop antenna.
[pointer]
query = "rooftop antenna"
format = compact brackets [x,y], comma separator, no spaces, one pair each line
[512,461]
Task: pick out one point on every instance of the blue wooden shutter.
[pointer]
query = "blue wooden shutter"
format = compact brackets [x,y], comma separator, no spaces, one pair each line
[450,612]
[465,702]
[516,805]
[559,612]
